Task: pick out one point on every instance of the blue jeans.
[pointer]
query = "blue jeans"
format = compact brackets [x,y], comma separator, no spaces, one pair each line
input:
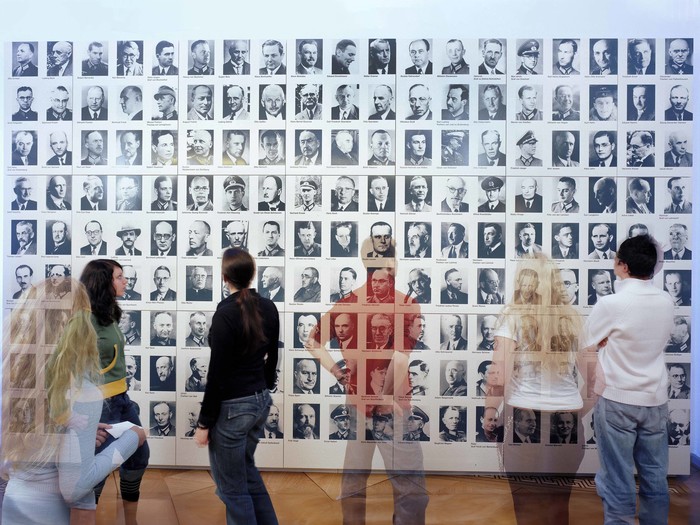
[629,436]
[115,410]
[232,444]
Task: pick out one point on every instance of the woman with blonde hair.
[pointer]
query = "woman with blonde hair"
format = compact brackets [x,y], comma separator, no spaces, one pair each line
[50,459]
[536,348]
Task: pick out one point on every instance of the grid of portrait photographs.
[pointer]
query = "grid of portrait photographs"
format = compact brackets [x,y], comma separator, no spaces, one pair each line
[454,157]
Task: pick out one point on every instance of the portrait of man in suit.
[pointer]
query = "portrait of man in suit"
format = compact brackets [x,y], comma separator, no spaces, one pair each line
[310,53]
[309,147]
[678,192]
[346,108]
[528,201]
[603,198]
[164,147]
[565,241]
[96,245]
[491,144]
[382,59]
[131,277]
[128,235]
[270,193]
[491,241]
[164,236]
[455,54]
[343,336]
[492,52]
[419,52]
[452,334]
[679,96]
[56,192]
[602,241]
[380,332]
[24,153]
[452,292]
[309,102]
[201,103]
[130,63]
[271,426]
[201,58]
[490,289]
[641,145]
[604,154]
[96,104]
[24,57]
[236,103]
[165,58]
[639,191]
[271,283]
[25,98]
[565,149]
[344,148]
[344,55]
[23,275]
[344,194]
[273,58]
[344,239]
[94,198]
[603,55]
[93,65]
[641,102]
[60,56]
[304,329]
[131,102]
[641,56]
[57,238]
[418,240]
[198,283]
[677,241]
[23,193]
[492,105]
[382,102]
[455,192]
[678,155]
[161,280]
[238,64]
[130,142]
[456,246]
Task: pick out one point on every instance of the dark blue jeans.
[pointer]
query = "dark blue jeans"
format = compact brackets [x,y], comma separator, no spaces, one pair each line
[232,444]
[117,409]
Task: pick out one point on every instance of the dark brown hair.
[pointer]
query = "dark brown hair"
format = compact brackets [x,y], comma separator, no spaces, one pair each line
[97,278]
[238,268]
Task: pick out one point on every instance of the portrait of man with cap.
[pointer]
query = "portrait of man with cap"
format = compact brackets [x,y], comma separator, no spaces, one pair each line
[528,147]
[166,101]
[234,194]
[342,417]
[492,188]
[603,103]
[344,372]
[128,234]
[416,420]
[308,195]
[453,153]
[529,53]
[380,417]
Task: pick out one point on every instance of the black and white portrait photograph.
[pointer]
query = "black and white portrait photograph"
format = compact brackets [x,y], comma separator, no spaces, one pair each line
[23,191]
[677,150]
[382,56]
[419,103]
[603,103]
[307,147]
[343,422]
[308,196]
[602,195]
[418,193]
[165,107]
[164,147]
[528,60]
[163,283]
[235,101]
[491,282]
[199,283]
[600,284]
[131,103]
[236,148]
[201,57]
[418,147]
[453,378]
[24,276]
[455,148]
[454,52]
[528,197]
[344,238]
[489,425]
[308,234]
[678,98]
[343,335]
[454,241]
[272,58]
[93,148]
[641,149]
[527,144]
[25,99]
[677,244]
[528,238]
[343,285]
[200,102]
[603,56]
[381,148]
[307,288]
[455,190]
[234,234]
[58,284]
[24,148]
[199,193]
[58,238]
[453,332]
[678,427]
[235,194]
[493,53]
[456,103]
[566,103]
[273,424]
[678,379]
[130,58]
[454,288]
[492,195]
[641,102]
[308,103]
[380,328]
[381,193]
[270,191]
[566,146]
[272,102]
[307,420]
[418,238]
[491,242]
[59,153]
[271,149]
[23,237]
[603,149]
[130,147]
[344,59]
[304,328]
[60,104]
[309,59]
[530,101]
[345,106]
[344,147]
[271,243]
[200,146]
[565,240]
[161,419]
[128,194]
[491,153]
[271,283]
[197,374]
[677,283]
[570,282]
[163,328]
[566,57]
[344,194]
[165,63]
[679,338]
[381,102]
[162,373]
[164,194]
[602,240]
[641,56]
[679,56]
[59,58]
[163,235]
[237,57]
[25,59]
[191,408]
[492,102]
[679,189]
[640,195]
[133,362]
[420,55]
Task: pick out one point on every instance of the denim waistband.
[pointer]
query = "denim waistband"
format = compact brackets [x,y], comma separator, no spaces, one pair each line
[258,396]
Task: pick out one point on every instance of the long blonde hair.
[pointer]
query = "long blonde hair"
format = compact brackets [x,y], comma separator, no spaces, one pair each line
[39,376]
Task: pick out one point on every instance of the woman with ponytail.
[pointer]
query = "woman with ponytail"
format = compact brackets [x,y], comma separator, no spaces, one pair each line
[104,281]
[243,341]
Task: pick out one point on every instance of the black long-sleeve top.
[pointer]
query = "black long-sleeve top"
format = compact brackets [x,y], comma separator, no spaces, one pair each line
[232,373]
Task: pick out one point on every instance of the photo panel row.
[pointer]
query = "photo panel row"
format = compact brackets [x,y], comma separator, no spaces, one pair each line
[351,56]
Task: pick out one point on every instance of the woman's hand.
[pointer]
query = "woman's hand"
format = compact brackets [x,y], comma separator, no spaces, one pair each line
[141,433]
[102,434]
[201,437]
